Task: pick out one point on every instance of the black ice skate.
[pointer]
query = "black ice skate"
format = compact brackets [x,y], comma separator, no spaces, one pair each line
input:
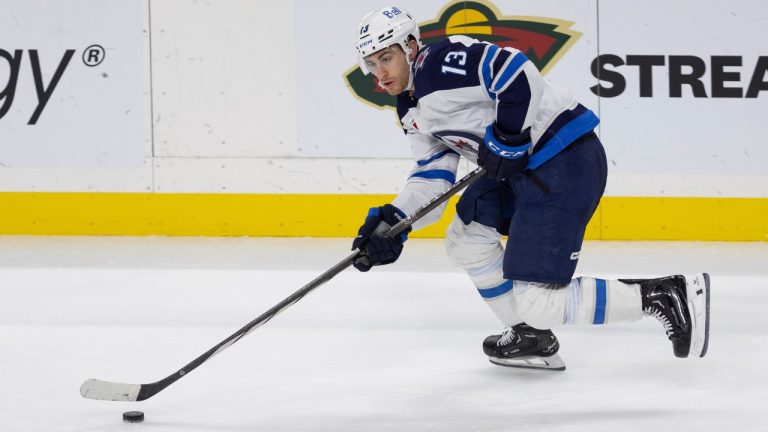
[681,304]
[525,347]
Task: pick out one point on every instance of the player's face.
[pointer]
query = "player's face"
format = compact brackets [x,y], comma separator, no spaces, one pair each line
[391,68]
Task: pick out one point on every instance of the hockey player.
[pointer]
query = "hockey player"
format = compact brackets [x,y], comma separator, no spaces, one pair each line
[546,172]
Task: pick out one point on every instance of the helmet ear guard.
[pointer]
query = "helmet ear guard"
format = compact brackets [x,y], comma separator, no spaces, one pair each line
[384,28]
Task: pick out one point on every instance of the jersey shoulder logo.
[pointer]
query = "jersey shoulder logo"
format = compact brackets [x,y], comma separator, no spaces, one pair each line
[419,63]
[543,40]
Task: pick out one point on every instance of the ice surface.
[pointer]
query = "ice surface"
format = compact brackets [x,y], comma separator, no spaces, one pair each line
[396,349]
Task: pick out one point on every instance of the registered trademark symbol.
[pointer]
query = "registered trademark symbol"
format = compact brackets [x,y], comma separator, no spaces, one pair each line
[94,55]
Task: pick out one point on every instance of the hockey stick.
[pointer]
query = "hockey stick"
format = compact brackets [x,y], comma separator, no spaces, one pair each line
[106,390]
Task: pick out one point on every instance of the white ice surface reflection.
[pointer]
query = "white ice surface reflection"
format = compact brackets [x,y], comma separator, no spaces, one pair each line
[396,349]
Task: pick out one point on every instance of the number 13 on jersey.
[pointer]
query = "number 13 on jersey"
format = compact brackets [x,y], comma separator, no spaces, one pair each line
[453,58]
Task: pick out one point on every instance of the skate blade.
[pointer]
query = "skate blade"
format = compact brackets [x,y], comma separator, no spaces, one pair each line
[698,293]
[553,362]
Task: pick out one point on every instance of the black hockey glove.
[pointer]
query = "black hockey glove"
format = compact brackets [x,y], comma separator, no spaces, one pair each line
[504,155]
[379,250]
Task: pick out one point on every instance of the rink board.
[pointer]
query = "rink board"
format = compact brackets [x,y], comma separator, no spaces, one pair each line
[299,215]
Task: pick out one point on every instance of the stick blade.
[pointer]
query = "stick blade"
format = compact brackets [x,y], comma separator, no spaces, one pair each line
[105,390]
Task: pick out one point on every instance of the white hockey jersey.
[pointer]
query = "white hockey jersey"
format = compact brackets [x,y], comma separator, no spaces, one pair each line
[462,85]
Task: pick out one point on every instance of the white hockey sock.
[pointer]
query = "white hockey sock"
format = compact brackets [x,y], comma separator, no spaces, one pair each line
[495,290]
[602,301]
[503,304]
[477,249]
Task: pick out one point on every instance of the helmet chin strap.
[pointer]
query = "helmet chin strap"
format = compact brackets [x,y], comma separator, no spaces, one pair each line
[408,52]
[410,80]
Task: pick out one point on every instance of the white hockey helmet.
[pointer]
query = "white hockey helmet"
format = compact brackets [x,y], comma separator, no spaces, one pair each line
[383,28]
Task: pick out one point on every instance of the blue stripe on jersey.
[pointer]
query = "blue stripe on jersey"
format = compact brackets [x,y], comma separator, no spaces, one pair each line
[572,130]
[436,174]
[510,70]
[486,69]
[435,157]
[496,291]
[563,119]
[600,301]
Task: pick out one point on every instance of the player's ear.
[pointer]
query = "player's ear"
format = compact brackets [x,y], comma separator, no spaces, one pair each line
[414,46]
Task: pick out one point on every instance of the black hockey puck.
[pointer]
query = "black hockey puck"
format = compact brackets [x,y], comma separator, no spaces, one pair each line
[133,416]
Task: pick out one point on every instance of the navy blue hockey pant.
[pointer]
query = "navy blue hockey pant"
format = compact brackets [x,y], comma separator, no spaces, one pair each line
[544,212]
